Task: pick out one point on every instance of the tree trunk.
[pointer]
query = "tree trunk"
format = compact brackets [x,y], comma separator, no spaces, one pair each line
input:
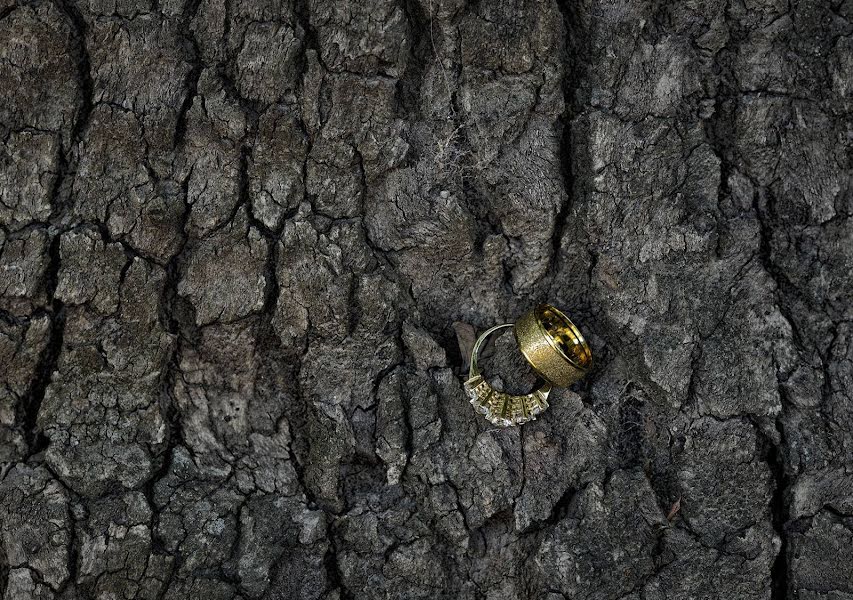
[245,247]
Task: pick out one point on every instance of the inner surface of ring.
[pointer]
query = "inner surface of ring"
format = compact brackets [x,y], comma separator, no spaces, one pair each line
[506,368]
[566,337]
[497,406]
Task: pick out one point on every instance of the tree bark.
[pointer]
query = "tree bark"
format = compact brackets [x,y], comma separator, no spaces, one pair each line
[245,247]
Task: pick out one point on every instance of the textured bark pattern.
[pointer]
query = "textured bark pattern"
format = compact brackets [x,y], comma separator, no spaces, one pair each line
[245,245]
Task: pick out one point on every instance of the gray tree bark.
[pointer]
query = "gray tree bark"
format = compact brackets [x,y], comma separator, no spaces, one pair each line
[245,245]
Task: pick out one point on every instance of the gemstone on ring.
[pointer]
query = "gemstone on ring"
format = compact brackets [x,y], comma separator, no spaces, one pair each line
[555,349]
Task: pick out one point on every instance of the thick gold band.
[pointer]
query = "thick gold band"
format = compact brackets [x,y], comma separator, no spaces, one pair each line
[553,346]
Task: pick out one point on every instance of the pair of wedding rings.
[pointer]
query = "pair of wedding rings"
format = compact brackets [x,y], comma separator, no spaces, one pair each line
[555,349]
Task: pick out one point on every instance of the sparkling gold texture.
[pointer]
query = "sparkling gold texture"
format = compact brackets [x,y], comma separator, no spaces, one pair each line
[553,345]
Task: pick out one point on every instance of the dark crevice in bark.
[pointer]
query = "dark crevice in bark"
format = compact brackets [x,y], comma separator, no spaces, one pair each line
[177,317]
[570,77]
[398,372]
[228,570]
[763,205]
[311,500]
[31,403]
[129,251]
[309,42]
[177,314]
[780,514]
[303,17]
[73,553]
[421,52]
[659,555]
[271,293]
[4,572]
[559,511]
[271,290]
[720,131]
[333,570]
[193,76]
[780,503]
[9,318]
[330,560]
[691,401]
[176,438]
[717,129]
[463,511]
[84,75]
[448,341]
[561,220]
[175,321]
[7,11]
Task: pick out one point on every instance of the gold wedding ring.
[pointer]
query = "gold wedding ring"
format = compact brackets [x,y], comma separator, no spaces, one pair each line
[553,345]
[555,349]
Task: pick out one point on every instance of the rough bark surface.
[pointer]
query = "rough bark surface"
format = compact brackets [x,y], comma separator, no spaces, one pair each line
[245,246]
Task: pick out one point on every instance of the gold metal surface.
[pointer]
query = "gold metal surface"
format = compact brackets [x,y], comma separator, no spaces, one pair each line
[553,345]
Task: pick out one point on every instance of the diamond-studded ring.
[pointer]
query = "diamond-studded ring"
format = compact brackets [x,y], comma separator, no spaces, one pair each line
[555,349]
